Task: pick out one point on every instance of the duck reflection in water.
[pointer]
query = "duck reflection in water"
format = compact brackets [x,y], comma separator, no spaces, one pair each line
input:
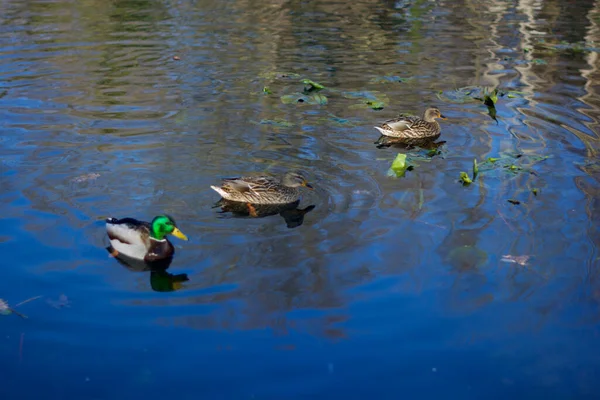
[407,144]
[160,279]
[293,216]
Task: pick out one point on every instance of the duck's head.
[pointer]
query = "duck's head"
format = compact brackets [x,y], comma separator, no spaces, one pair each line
[294,179]
[163,225]
[432,113]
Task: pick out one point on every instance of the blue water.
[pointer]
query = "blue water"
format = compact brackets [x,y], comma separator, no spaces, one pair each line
[391,287]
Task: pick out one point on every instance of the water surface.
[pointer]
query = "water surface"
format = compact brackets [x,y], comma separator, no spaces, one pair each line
[389,288]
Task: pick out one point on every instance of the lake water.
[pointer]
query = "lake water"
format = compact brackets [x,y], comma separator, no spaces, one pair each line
[389,288]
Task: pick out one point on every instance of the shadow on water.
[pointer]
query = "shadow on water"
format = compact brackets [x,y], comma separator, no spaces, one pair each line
[408,144]
[160,279]
[292,215]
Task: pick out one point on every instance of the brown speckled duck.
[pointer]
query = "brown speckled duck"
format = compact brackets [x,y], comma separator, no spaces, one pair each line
[411,127]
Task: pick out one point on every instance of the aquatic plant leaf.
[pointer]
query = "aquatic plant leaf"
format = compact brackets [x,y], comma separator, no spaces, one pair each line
[492,113]
[399,166]
[475,168]
[464,179]
[490,99]
[513,201]
[320,99]
[294,98]
[399,162]
[375,105]
[492,159]
[300,98]
[511,94]
[312,85]
[266,90]
[534,191]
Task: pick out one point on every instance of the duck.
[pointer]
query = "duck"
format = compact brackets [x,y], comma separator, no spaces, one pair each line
[143,240]
[411,127]
[262,189]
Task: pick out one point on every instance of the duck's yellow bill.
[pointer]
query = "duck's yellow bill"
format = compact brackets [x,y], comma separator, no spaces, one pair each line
[178,234]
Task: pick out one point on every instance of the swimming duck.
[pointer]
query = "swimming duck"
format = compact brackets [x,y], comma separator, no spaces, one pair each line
[142,240]
[262,189]
[411,127]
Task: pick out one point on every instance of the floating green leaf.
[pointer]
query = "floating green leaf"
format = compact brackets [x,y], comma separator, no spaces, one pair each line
[266,90]
[297,98]
[492,159]
[475,168]
[513,201]
[312,85]
[534,191]
[511,94]
[294,98]
[490,98]
[319,99]
[399,166]
[375,105]
[464,179]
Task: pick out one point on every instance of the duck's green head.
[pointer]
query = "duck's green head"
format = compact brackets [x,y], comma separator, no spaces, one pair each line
[164,225]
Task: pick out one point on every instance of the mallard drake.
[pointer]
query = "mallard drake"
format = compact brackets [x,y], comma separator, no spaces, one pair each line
[142,240]
[262,189]
[411,127]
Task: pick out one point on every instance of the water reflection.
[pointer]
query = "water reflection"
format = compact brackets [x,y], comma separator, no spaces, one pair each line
[160,279]
[407,144]
[292,215]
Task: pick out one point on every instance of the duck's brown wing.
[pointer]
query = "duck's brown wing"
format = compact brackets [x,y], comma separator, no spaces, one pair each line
[402,123]
[253,184]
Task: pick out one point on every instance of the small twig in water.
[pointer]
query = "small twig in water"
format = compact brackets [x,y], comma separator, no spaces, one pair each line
[18,313]
[28,300]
